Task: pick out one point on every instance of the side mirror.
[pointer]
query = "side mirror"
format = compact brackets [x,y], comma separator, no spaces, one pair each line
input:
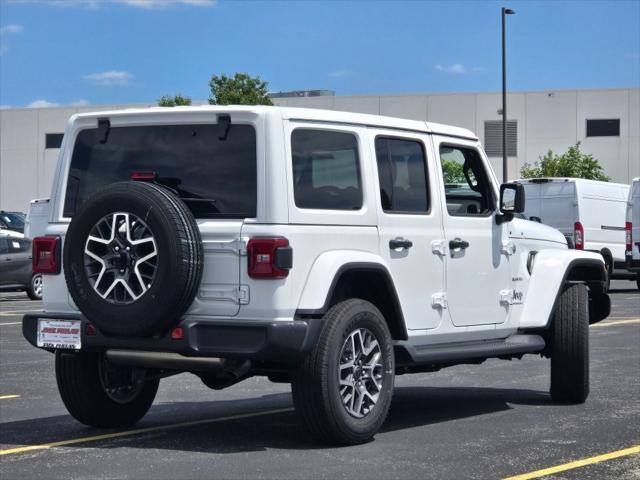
[511,198]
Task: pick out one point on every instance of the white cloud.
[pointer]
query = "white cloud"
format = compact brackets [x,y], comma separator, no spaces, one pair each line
[340,73]
[42,104]
[4,107]
[110,78]
[456,68]
[479,69]
[8,29]
[79,103]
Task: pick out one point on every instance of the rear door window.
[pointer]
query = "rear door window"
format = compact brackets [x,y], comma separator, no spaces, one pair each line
[215,178]
[325,170]
[402,175]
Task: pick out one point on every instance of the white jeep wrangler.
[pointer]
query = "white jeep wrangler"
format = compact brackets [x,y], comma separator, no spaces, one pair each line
[329,250]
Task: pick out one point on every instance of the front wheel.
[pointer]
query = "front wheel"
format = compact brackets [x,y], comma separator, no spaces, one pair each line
[343,388]
[100,394]
[570,346]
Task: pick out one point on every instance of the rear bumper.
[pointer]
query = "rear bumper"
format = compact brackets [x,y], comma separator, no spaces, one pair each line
[281,342]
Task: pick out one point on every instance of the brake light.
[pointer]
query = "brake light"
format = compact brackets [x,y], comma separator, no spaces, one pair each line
[578,236]
[144,176]
[627,233]
[269,257]
[46,255]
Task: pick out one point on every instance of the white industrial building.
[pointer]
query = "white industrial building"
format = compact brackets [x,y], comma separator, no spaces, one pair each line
[605,121]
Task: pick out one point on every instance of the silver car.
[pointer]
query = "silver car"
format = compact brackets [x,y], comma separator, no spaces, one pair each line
[15,268]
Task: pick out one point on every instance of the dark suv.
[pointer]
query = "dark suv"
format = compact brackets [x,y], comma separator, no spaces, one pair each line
[15,267]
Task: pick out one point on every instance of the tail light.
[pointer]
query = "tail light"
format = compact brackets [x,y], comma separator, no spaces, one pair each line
[627,233]
[269,257]
[578,236]
[46,255]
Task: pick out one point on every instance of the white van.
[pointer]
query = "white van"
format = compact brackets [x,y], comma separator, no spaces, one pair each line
[590,214]
[632,227]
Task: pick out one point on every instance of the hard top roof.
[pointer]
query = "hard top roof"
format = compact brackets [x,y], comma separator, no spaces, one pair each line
[303,114]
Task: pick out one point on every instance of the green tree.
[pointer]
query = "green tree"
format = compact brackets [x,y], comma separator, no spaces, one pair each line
[174,100]
[572,163]
[241,89]
[452,172]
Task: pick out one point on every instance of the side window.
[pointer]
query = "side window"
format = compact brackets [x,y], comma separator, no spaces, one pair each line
[402,175]
[466,183]
[326,174]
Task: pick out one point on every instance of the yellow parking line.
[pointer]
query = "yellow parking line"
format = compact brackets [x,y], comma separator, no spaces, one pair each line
[577,464]
[7,397]
[626,321]
[138,431]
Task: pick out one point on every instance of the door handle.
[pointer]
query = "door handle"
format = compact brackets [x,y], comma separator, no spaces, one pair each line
[398,243]
[458,243]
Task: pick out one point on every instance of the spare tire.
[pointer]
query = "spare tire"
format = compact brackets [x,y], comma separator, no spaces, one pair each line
[133,259]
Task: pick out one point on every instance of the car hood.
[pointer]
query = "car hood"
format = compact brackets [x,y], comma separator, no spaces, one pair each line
[520,228]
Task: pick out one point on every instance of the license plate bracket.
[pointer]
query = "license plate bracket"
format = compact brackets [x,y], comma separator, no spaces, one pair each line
[59,334]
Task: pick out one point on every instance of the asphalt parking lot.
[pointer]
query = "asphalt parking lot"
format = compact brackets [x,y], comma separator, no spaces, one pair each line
[495,420]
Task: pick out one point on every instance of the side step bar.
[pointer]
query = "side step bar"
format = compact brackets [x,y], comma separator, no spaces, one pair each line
[454,352]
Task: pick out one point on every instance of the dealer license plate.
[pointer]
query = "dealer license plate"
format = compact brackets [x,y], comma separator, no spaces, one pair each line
[63,334]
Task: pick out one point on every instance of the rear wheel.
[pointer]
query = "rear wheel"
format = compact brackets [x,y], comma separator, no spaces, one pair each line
[343,389]
[100,394]
[570,346]
[608,263]
[35,288]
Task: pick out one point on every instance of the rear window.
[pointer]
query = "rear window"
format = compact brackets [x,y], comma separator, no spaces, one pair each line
[215,178]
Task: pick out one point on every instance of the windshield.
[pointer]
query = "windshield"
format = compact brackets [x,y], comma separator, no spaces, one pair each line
[12,221]
[215,177]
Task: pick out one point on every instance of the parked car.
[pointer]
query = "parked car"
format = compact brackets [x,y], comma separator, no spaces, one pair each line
[12,221]
[632,227]
[16,272]
[313,247]
[591,214]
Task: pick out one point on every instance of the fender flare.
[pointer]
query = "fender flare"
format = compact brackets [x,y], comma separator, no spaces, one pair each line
[552,270]
[317,293]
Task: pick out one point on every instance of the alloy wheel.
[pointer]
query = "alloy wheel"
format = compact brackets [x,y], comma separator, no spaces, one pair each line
[360,373]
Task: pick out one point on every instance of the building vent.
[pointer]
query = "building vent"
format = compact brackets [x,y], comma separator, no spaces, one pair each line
[608,127]
[493,138]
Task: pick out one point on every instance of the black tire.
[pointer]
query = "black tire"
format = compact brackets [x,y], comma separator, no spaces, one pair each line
[570,346]
[35,287]
[608,263]
[179,259]
[315,385]
[638,282]
[82,391]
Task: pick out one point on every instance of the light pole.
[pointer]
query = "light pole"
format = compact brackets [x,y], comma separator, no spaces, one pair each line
[505,12]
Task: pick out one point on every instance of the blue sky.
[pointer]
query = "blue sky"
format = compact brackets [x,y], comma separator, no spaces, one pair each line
[115,51]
